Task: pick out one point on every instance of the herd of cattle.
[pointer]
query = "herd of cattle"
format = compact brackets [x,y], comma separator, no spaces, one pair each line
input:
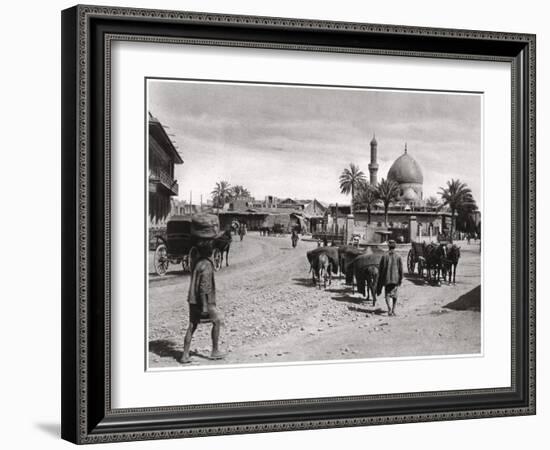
[360,266]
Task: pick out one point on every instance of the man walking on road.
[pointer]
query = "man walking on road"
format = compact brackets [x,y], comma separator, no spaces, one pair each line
[202,288]
[390,276]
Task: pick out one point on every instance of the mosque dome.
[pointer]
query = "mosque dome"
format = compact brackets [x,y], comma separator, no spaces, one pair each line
[406,170]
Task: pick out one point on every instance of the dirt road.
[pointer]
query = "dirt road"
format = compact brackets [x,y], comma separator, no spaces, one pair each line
[273,312]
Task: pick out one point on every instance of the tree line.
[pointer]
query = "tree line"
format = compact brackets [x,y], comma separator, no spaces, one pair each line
[456,195]
[223,193]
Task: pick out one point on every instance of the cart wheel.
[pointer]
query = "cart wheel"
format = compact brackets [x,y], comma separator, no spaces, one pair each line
[217,258]
[161,261]
[410,263]
[192,257]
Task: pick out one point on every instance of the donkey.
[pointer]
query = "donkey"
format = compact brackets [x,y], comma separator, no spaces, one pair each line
[324,270]
[435,256]
[453,256]
[222,242]
[365,269]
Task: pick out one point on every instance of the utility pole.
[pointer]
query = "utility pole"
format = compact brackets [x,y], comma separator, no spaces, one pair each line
[336,228]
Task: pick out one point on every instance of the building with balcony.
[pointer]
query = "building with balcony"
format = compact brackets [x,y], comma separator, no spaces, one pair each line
[163,156]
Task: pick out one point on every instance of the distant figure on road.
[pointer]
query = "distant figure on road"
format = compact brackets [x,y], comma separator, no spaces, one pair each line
[242,231]
[235,226]
[202,301]
[390,276]
[294,238]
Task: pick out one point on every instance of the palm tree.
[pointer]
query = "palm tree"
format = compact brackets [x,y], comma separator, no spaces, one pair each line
[239,191]
[433,202]
[457,196]
[387,191]
[350,180]
[365,198]
[221,193]
[466,216]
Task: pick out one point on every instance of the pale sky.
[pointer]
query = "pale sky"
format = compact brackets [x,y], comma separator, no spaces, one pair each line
[295,141]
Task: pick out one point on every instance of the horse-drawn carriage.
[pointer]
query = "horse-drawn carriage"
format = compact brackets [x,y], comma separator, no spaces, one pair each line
[416,258]
[179,246]
[435,259]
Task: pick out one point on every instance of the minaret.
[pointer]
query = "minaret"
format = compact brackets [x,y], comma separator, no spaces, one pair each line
[373,166]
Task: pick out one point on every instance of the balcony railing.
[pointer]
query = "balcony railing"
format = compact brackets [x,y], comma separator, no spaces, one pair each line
[164,179]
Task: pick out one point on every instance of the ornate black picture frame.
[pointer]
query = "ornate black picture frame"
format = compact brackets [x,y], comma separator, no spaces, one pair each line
[87,34]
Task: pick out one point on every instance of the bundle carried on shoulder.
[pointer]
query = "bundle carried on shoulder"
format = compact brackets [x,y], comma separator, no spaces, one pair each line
[205,226]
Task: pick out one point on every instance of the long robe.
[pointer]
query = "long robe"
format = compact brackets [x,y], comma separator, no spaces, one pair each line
[390,270]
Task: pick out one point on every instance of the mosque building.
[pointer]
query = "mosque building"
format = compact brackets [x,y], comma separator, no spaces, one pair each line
[409,218]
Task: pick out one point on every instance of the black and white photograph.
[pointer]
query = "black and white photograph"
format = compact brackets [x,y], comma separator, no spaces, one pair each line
[275,225]
[295,223]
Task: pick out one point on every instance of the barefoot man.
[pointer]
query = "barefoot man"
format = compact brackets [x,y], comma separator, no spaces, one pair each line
[202,300]
[390,276]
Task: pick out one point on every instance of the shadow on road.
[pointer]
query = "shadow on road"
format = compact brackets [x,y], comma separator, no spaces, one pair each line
[420,281]
[416,280]
[164,347]
[359,310]
[368,306]
[198,354]
[179,272]
[349,299]
[373,310]
[338,291]
[470,301]
[303,282]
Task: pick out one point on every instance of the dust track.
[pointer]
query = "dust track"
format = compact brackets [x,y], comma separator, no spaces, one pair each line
[273,313]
